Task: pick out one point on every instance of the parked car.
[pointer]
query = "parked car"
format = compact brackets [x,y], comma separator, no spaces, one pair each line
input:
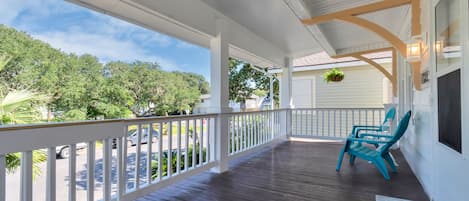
[64,150]
[132,137]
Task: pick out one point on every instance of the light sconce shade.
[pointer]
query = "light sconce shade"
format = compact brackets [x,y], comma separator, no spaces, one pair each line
[439,45]
[414,49]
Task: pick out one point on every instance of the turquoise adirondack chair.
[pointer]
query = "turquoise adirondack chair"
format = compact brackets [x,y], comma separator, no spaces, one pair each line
[390,115]
[354,147]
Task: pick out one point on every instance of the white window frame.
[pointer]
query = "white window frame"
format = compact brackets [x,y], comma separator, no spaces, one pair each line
[464,66]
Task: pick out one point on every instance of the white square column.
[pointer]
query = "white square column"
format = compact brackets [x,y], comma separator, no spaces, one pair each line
[219,96]
[286,84]
[286,95]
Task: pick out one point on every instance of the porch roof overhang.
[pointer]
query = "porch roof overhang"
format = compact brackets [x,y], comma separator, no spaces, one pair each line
[262,32]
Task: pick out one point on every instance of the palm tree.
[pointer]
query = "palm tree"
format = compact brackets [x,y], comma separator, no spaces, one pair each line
[19,107]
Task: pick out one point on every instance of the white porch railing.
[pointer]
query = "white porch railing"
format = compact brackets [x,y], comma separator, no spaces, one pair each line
[332,123]
[252,129]
[118,166]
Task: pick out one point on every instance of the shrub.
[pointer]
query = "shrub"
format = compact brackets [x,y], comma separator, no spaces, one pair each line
[164,164]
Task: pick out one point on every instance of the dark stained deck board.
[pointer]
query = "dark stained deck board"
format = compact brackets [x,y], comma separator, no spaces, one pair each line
[296,171]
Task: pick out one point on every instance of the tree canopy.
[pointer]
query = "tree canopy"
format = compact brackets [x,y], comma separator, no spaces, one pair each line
[81,87]
[246,80]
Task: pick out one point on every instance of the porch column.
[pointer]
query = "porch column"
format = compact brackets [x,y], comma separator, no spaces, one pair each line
[286,95]
[219,100]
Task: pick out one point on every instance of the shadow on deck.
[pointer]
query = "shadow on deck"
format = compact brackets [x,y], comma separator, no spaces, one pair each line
[296,171]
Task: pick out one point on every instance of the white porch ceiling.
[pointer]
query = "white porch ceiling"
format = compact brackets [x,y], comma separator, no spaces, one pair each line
[262,32]
[272,20]
[321,7]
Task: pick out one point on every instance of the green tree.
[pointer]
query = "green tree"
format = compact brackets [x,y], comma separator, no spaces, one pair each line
[187,90]
[75,84]
[245,80]
[81,87]
[144,84]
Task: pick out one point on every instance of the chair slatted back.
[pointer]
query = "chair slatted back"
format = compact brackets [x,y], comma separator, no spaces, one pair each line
[398,133]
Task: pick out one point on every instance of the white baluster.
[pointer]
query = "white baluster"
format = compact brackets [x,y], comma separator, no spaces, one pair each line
[121,160]
[232,139]
[201,142]
[138,156]
[149,152]
[209,140]
[2,178]
[249,125]
[160,151]
[27,176]
[107,168]
[170,149]
[72,169]
[178,160]
[186,156]
[90,168]
[194,136]
[51,173]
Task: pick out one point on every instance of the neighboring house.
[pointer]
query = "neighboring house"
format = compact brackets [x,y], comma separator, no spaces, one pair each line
[363,86]
[253,103]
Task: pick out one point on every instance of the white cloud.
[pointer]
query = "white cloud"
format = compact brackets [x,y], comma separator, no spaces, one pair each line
[10,9]
[104,47]
[78,30]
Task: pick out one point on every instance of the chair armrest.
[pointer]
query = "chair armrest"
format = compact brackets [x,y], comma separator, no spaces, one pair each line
[367,129]
[364,126]
[367,140]
[375,135]
[357,128]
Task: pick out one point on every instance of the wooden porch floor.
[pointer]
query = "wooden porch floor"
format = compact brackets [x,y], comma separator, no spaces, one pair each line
[296,171]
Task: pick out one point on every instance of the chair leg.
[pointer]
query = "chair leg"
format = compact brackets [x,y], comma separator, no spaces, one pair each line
[390,161]
[352,159]
[382,167]
[341,157]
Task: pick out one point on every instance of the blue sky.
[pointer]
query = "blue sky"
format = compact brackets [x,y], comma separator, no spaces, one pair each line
[74,29]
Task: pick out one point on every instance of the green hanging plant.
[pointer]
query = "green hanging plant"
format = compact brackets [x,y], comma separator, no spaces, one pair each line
[333,75]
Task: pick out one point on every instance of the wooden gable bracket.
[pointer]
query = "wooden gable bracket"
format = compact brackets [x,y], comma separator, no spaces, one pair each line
[349,16]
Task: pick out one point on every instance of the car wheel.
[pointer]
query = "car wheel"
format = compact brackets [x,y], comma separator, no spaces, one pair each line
[64,152]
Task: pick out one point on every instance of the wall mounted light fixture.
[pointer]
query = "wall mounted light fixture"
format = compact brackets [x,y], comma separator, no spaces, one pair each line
[414,49]
[439,45]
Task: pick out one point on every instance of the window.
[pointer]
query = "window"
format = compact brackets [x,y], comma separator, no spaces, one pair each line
[448,66]
[447,34]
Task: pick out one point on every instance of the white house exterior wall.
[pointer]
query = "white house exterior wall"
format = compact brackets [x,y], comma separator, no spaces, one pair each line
[363,87]
[442,172]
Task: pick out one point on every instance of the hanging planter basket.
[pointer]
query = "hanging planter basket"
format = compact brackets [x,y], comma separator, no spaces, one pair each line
[334,75]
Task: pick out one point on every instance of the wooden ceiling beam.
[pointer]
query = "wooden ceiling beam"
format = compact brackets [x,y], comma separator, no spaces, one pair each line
[369,8]
[377,29]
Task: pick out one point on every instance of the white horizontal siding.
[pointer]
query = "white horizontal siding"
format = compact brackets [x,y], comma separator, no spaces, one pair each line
[362,87]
